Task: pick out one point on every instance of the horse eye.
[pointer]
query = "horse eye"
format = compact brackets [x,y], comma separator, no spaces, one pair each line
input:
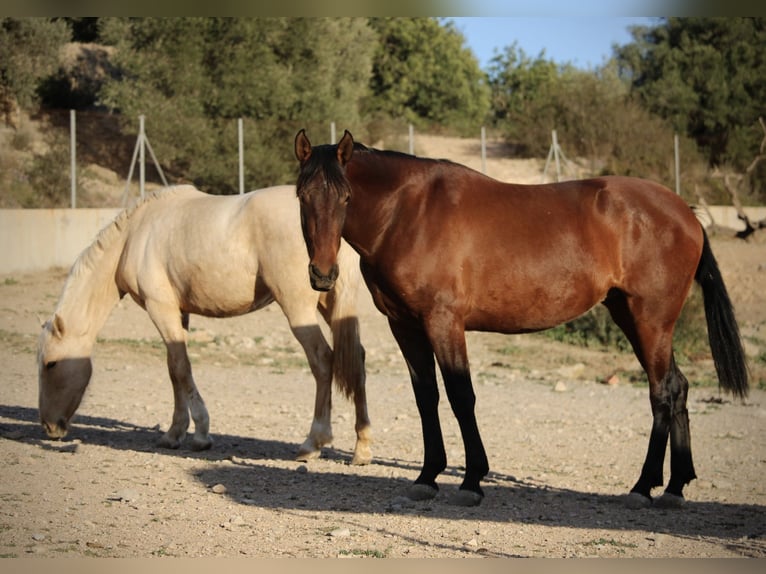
[50,365]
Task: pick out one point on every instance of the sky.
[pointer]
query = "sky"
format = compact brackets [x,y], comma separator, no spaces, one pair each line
[585,41]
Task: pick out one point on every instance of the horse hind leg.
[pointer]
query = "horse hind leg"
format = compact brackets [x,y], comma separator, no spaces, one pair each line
[668,389]
[338,308]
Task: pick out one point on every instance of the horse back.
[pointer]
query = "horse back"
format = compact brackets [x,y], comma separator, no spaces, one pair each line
[208,254]
[518,258]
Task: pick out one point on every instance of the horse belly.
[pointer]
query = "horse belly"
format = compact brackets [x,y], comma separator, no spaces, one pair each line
[534,306]
[224,296]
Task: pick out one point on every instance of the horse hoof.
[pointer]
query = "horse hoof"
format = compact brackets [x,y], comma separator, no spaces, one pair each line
[466,498]
[421,492]
[668,500]
[361,460]
[198,445]
[167,442]
[362,456]
[306,455]
[636,501]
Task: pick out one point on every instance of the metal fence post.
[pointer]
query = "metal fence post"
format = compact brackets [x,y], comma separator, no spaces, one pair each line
[678,167]
[73,156]
[240,139]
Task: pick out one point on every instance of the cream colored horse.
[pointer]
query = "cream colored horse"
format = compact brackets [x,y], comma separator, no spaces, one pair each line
[181,252]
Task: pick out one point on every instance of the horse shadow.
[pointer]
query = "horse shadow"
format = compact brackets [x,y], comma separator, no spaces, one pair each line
[333,485]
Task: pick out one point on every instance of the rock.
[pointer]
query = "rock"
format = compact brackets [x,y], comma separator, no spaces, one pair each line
[576,371]
[611,380]
[218,489]
[339,533]
[124,495]
[38,537]
[560,387]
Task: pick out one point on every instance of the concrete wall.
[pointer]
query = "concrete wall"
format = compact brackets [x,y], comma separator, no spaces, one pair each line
[38,239]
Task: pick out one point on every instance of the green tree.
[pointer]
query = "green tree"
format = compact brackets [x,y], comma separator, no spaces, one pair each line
[707,76]
[29,50]
[424,74]
[192,77]
[592,111]
[523,98]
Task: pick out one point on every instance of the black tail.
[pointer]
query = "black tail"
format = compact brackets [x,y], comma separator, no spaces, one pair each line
[722,329]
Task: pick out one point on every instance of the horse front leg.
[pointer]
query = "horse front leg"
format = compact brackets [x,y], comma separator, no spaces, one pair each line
[418,354]
[319,356]
[187,400]
[451,354]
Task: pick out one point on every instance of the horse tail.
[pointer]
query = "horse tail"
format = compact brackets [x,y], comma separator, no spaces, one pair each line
[348,352]
[722,329]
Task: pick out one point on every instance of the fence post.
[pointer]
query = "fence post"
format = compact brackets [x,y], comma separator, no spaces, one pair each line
[412,139]
[332,132]
[73,156]
[141,155]
[556,155]
[483,150]
[678,167]
[240,140]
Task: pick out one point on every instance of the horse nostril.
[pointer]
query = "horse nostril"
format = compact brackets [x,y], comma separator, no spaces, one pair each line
[317,274]
[319,280]
[57,430]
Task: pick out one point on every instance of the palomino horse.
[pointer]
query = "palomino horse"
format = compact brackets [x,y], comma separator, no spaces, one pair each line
[181,251]
[445,249]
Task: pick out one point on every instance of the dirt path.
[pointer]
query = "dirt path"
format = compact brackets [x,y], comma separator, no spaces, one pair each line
[563,447]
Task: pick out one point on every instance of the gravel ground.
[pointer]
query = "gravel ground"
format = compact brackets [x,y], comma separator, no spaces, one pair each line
[563,447]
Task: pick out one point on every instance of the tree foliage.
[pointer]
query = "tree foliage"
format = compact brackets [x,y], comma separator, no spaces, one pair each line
[192,77]
[28,53]
[592,111]
[423,73]
[707,76]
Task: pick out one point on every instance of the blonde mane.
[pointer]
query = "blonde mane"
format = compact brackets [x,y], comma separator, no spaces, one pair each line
[111,233]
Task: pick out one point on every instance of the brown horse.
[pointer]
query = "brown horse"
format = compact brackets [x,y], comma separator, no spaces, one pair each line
[445,249]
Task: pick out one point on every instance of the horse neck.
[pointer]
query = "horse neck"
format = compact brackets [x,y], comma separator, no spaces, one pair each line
[375,198]
[90,291]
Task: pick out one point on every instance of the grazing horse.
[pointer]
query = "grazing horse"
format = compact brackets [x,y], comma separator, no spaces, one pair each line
[445,249]
[181,251]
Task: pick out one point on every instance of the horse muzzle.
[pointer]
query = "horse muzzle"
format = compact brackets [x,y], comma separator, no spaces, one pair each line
[322,281]
[55,430]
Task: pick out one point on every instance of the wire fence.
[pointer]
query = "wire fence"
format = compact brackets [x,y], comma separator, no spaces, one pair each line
[129,156]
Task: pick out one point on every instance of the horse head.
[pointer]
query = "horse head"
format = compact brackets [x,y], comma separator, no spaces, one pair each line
[324,193]
[64,370]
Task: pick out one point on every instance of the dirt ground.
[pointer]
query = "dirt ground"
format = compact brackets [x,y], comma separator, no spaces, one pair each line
[563,447]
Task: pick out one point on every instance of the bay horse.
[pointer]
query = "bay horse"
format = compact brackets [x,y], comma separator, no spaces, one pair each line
[444,249]
[179,252]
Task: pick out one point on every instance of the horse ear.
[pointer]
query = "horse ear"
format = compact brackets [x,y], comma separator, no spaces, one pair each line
[345,148]
[302,146]
[58,326]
